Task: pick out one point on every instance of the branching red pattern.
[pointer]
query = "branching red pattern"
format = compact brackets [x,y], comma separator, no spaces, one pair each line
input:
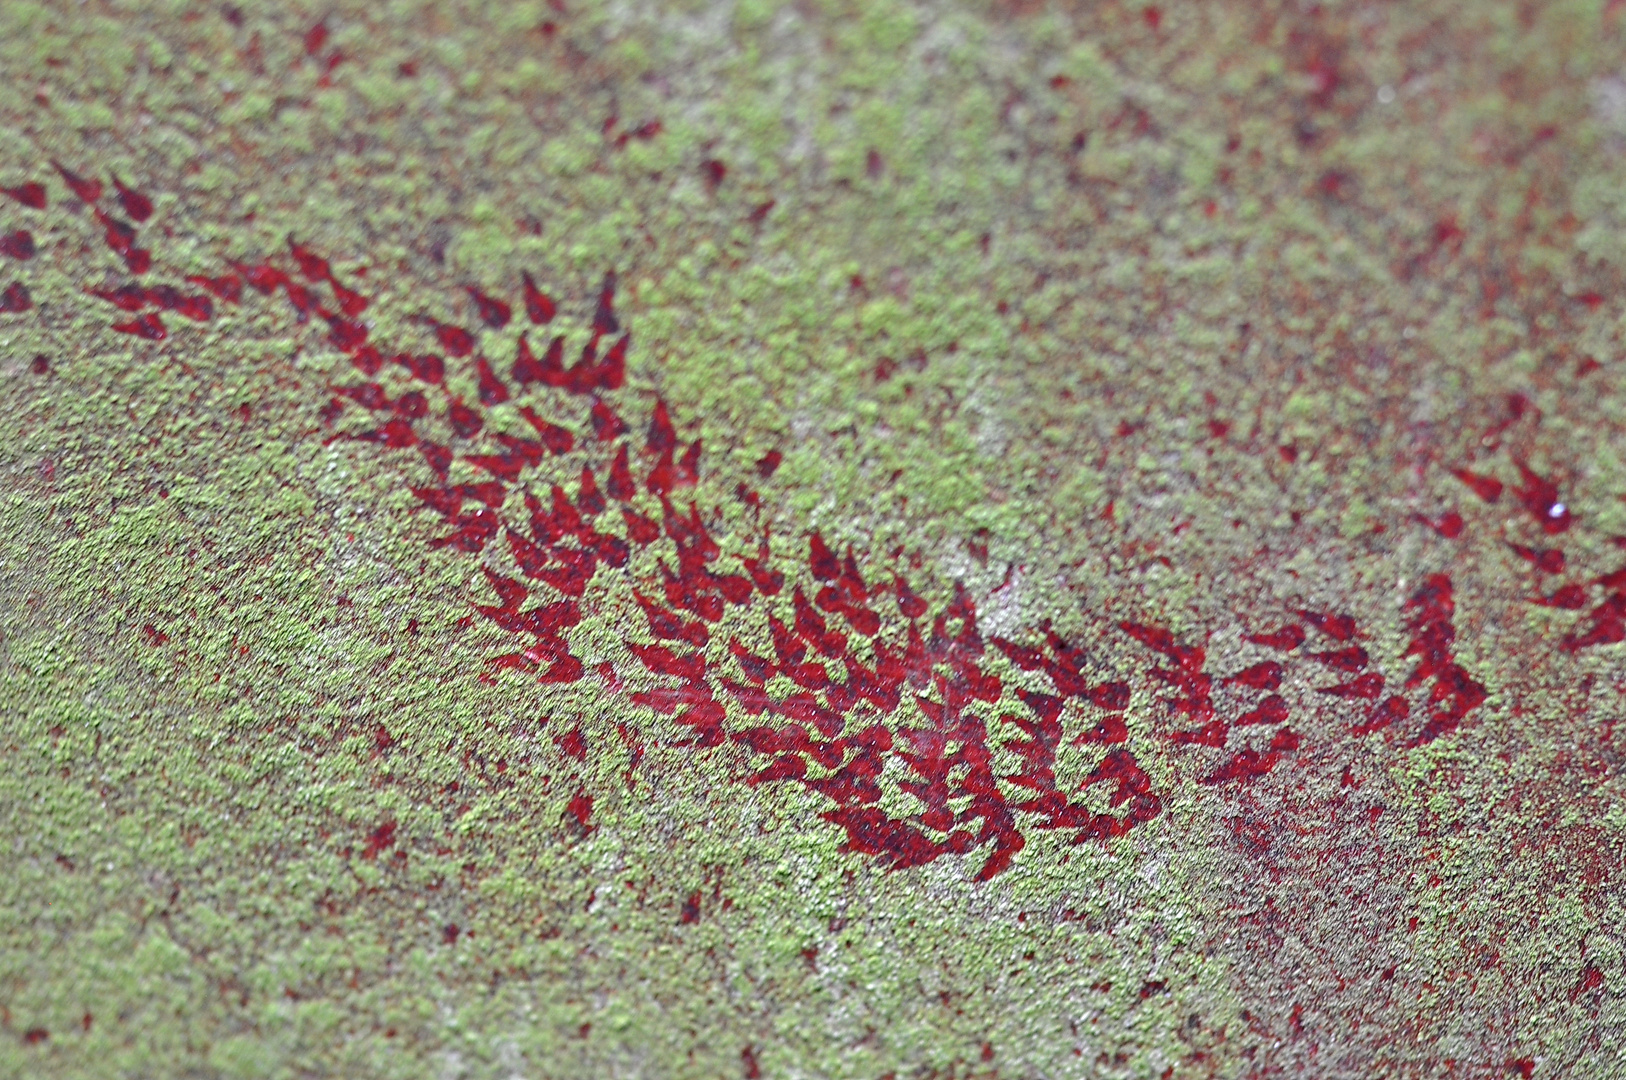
[899,717]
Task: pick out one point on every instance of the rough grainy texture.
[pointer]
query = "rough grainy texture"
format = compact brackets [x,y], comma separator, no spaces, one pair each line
[1159,329]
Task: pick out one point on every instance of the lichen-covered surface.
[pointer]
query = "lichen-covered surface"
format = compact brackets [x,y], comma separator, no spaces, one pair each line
[1127,586]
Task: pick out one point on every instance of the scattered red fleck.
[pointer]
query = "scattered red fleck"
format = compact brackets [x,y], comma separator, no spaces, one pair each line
[35,1035]
[137,205]
[1591,978]
[380,839]
[768,463]
[715,171]
[539,306]
[148,326]
[88,190]
[1540,498]
[18,245]
[1587,366]
[154,636]
[1152,16]
[493,312]
[1487,488]
[15,299]
[748,1061]
[690,911]
[315,38]
[643,132]
[40,365]
[1592,300]
[1524,1067]
[449,933]
[29,194]
[759,212]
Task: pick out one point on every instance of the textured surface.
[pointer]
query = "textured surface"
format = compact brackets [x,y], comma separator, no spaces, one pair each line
[1156,330]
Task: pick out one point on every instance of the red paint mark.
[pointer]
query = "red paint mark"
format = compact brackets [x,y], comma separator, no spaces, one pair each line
[454,339]
[1453,693]
[573,744]
[1448,524]
[1487,488]
[137,205]
[1351,659]
[154,636]
[15,299]
[1540,498]
[539,306]
[30,194]
[86,189]
[1568,598]
[690,911]
[580,810]
[714,171]
[450,933]
[1286,639]
[1337,627]
[315,38]
[1546,560]
[18,244]
[148,326]
[604,320]
[35,1035]
[1152,17]
[493,312]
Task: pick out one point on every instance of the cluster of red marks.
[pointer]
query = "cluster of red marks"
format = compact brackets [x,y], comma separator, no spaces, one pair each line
[1538,495]
[144,302]
[837,699]
[1191,700]
[315,38]
[19,244]
[1453,693]
[1606,621]
[852,688]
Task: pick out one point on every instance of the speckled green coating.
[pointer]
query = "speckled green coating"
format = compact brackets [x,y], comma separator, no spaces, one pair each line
[1070,239]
